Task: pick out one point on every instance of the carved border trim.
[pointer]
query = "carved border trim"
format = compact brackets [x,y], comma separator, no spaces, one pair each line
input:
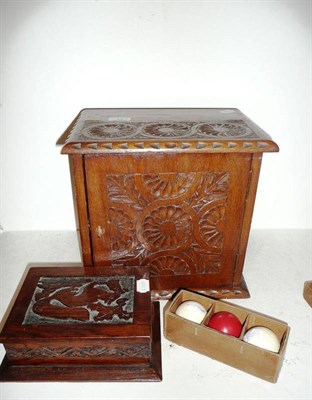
[208,146]
[78,352]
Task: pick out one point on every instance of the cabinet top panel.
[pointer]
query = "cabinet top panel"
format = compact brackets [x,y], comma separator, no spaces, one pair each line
[164,129]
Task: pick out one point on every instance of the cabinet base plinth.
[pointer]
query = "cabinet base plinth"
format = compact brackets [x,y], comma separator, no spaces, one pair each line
[239,291]
[78,373]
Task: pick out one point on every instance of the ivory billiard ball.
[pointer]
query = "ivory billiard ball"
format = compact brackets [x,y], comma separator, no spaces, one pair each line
[225,322]
[263,337]
[191,310]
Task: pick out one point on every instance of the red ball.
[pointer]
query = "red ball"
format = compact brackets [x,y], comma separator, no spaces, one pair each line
[225,322]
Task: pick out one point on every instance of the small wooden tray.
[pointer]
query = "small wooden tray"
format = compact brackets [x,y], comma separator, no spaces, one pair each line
[83,324]
[227,349]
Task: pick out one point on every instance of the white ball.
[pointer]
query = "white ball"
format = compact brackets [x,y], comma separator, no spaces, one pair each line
[262,337]
[192,311]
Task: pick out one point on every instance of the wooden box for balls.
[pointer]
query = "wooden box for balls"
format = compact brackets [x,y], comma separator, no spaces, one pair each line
[170,188]
[82,324]
[230,350]
[307,292]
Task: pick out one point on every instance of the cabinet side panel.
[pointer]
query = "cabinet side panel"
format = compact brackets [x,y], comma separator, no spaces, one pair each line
[76,165]
[249,207]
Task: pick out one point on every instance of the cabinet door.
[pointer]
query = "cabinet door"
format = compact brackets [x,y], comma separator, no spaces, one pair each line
[181,214]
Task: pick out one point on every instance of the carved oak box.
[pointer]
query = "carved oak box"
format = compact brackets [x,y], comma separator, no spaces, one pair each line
[82,324]
[170,188]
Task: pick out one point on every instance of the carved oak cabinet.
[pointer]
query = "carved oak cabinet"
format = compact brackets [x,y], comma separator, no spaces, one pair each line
[171,189]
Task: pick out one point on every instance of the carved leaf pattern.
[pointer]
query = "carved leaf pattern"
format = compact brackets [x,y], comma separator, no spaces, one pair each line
[213,187]
[121,188]
[206,262]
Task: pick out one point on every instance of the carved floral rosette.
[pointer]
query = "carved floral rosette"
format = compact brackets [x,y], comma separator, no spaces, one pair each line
[101,130]
[173,222]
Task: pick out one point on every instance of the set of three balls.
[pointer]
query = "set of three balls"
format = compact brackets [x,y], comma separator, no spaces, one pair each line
[227,323]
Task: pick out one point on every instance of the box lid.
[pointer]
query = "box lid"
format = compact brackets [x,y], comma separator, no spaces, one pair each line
[75,302]
[164,129]
[70,323]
